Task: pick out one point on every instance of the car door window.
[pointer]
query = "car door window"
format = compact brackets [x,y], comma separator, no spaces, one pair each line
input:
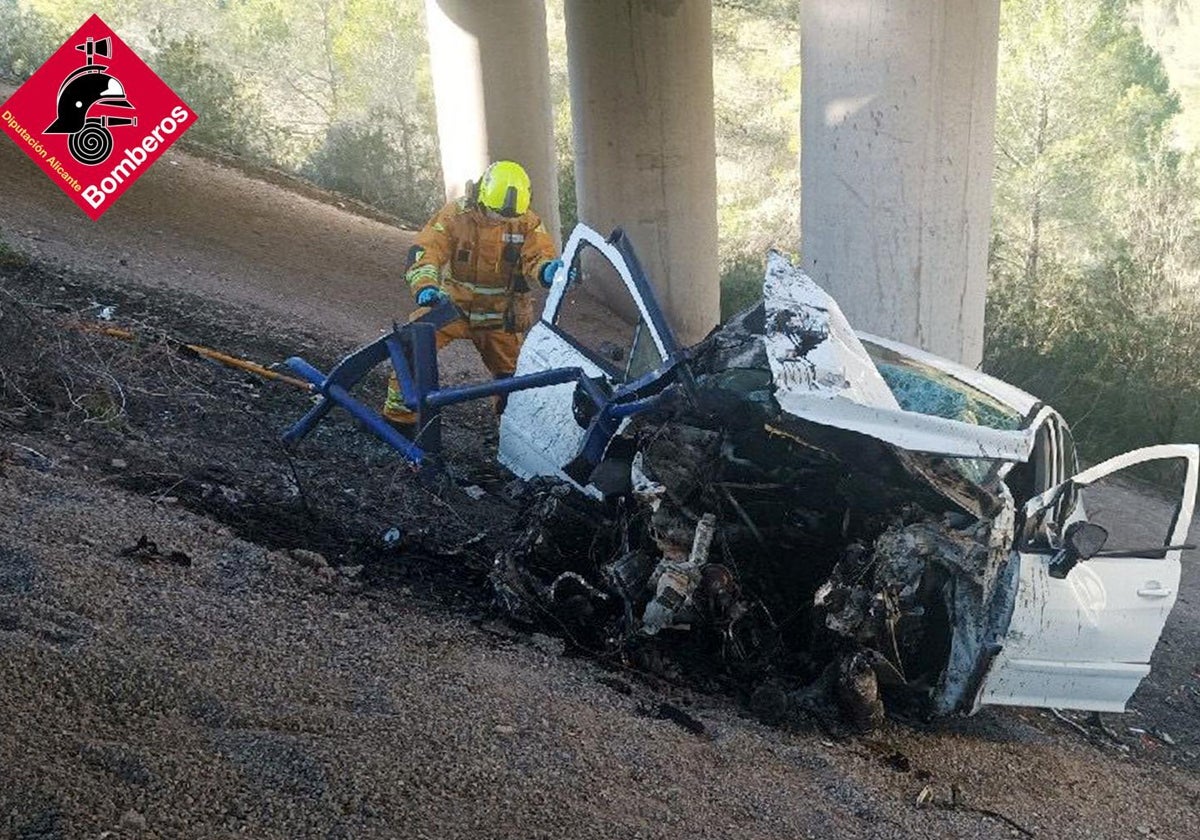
[599,316]
[1135,506]
[645,356]
[1067,508]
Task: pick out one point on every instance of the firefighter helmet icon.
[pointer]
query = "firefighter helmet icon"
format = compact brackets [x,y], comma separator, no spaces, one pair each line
[90,141]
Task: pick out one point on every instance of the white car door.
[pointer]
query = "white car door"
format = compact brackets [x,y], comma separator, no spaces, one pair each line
[600,316]
[1084,641]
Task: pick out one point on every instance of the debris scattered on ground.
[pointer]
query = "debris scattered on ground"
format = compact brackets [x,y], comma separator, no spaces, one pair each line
[186,418]
[146,551]
[927,798]
[308,559]
[677,716]
[1164,737]
[31,458]
[1096,730]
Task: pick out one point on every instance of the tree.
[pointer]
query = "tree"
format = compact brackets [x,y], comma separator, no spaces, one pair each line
[756,75]
[1082,105]
[1092,299]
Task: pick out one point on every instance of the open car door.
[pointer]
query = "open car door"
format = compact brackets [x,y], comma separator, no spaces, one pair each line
[601,316]
[1082,630]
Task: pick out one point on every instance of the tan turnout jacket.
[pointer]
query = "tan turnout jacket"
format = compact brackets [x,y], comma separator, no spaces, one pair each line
[487,261]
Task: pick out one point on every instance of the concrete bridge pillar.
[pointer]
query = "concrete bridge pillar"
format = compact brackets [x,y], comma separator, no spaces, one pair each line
[491,83]
[645,148]
[897,127]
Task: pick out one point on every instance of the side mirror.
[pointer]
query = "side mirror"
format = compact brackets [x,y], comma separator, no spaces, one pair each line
[1085,539]
[1082,541]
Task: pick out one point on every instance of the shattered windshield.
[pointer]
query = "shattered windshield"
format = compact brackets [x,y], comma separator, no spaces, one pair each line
[975,470]
[926,390]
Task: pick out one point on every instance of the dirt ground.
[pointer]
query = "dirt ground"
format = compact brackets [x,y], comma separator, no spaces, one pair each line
[224,681]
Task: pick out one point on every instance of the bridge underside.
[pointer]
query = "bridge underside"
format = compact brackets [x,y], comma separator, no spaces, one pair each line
[897,129]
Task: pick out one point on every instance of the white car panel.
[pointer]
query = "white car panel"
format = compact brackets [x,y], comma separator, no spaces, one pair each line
[810,345]
[837,384]
[538,431]
[1085,641]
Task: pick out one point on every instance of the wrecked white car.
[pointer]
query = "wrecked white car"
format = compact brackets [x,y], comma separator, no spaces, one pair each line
[793,503]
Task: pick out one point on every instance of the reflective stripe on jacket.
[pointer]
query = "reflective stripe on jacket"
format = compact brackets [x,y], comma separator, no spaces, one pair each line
[484,258]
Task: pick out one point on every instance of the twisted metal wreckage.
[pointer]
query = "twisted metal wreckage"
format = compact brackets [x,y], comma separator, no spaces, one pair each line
[794,507]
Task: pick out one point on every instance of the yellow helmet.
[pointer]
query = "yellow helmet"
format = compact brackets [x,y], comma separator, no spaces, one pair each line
[504,189]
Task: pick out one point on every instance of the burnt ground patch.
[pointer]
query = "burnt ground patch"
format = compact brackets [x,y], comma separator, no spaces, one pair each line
[120,400]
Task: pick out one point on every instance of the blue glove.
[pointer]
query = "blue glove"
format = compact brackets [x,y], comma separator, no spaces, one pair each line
[548,271]
[431,296]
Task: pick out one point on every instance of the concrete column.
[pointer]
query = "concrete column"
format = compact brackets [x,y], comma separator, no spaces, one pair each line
[897,125]
[491,84]
[645,148]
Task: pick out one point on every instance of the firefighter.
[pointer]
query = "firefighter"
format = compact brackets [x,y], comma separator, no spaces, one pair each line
[481,251]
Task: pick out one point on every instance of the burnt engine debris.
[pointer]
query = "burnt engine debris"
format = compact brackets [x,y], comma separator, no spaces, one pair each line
[792,563]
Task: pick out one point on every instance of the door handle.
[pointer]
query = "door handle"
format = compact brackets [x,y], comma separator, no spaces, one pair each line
[1154,592]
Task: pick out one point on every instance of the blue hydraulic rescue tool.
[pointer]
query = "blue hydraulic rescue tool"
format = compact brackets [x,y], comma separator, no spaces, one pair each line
[411,349]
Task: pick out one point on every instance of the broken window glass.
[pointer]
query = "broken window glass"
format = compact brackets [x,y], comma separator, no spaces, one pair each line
[924,389]
[975,470]
[599,316]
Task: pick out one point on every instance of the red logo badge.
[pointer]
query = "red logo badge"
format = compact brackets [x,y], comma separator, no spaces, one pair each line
[95,117]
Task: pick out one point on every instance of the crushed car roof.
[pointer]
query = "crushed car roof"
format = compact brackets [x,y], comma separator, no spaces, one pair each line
[823,373]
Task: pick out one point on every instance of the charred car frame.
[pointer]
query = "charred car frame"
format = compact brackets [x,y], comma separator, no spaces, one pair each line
[793,504]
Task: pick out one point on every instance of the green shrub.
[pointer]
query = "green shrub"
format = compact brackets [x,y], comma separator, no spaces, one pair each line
[387,163]
[27,39]
[568,206]
[741,283]
[10,257]
[1109,347]
[228,118]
